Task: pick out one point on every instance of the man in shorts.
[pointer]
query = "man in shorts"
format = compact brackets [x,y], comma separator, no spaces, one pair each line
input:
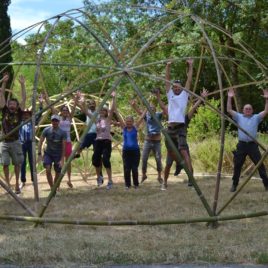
[177,104]
[11,119]
[55,149]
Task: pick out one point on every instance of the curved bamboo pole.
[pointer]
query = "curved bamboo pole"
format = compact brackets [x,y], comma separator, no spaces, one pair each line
[36,77]
[212,219]
[222,136]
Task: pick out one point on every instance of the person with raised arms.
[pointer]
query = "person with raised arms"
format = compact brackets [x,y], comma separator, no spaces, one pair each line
[131,149]
[177,104]
[11,119]
[246,145]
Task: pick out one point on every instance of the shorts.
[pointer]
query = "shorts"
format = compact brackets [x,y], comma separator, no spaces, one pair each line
[12,150]
[50,159]
[68,148]
[178,136]
[88,140]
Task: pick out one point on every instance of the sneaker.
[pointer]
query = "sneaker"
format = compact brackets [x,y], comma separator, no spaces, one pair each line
[160,180]
[233,188]
[144,177]
[136,186]
[163,186]
[22,185]
[190,184]
[109,185]
[77,156]
[99,181]
[127,187]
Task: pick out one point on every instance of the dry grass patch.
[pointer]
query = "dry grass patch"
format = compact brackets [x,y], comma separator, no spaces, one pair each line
[243,241]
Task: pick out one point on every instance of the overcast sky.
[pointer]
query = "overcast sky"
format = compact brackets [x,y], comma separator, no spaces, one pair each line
[24,13]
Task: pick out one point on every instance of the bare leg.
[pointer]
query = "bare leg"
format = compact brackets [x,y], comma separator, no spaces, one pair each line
[17,175]
[6,173]
[69,172]
[57,175]
[49,176]
[187,160]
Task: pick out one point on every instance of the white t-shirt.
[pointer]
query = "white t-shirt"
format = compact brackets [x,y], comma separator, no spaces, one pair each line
[93,127]
[177,106]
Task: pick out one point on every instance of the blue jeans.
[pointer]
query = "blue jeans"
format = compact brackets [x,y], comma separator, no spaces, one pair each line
[26,150]
[149,146]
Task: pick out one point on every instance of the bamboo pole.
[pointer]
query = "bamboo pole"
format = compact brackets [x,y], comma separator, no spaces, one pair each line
[36,77]
[19,201]
[39,220]
[222,135]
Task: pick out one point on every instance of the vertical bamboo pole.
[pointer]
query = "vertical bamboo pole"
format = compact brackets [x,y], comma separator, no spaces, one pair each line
[222,138]
[36,77]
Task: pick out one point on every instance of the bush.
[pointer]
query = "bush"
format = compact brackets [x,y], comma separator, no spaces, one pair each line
[205,154]
[205,123]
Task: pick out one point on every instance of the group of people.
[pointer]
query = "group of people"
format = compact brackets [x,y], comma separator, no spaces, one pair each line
[17,142]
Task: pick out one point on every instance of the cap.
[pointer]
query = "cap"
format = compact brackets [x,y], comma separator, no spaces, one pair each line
[27,111]
[177,82]
[55,117]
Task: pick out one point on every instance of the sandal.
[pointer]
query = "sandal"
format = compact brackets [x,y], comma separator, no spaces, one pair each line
[70,184]
[17,191]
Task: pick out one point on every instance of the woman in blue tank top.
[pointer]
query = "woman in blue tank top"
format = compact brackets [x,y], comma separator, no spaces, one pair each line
[131,149]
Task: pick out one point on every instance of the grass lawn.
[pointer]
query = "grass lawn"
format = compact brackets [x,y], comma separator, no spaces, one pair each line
[240,241]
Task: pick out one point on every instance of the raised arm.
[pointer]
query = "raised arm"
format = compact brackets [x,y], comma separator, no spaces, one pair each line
[231,94]
[197,103]
[265,111]
[75,99]
[23,92]
[113,105]
[47,100]
[189,73]
[135,107]
[141,119]
[120,119]
[167,77]
[2,91]
[161,103]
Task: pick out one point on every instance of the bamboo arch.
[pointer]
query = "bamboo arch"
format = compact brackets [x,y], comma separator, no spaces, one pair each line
[123,67]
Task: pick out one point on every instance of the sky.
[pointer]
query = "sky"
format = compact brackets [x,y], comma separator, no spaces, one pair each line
[24,13]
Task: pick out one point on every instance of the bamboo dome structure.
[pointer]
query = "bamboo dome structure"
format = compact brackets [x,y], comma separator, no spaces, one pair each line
[123,63]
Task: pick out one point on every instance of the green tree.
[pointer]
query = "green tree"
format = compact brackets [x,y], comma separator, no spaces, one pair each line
[5,37]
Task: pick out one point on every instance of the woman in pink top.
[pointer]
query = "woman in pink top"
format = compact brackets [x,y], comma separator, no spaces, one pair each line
[66,124]
[103,144]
